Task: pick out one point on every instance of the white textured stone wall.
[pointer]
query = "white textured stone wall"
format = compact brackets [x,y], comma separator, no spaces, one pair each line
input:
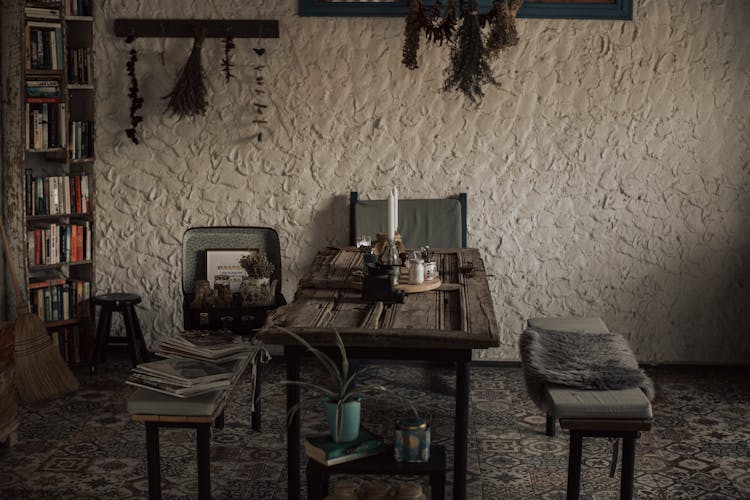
[607,175]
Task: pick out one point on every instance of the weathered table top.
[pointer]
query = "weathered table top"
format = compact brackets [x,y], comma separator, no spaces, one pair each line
[458,315]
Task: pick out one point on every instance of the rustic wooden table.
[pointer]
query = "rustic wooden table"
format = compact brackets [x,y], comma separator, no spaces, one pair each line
[442,325]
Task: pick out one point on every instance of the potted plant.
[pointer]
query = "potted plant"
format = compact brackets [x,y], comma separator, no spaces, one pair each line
[342,397]
[257,288]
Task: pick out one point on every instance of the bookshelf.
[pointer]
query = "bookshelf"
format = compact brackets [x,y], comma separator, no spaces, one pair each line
[58,91]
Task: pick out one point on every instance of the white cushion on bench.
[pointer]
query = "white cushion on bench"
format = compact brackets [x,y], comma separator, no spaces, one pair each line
[566,402]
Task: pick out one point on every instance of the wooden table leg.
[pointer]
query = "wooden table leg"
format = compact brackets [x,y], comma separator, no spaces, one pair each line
[628,468]
[204,461]
[293,429]
[317,481]
[255,416]
[574,465]
[152,460]
[461,432]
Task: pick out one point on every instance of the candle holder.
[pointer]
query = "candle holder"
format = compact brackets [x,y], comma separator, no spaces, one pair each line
[377,285]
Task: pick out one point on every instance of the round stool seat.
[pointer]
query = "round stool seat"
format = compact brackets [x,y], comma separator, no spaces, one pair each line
[117,299]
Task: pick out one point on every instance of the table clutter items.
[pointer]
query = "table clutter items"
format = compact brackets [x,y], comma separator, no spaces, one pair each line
[323,449]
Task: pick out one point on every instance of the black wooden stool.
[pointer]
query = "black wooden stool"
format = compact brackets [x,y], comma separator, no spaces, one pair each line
[123,303]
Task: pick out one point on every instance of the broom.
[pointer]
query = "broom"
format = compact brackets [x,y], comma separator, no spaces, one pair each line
[40,370]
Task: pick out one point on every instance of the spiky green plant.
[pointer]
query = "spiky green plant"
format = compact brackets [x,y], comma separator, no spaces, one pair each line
[340,388]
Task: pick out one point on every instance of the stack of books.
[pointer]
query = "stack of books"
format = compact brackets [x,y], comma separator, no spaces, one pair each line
[211,346]
[196,363]
[323,449]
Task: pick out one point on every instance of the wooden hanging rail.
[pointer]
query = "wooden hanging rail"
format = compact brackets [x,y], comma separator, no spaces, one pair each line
[185,28]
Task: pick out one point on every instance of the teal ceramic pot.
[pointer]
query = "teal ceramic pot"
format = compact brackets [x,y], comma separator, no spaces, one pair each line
[350,413]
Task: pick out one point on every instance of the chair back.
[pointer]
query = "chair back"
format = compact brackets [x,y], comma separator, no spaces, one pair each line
[440,223]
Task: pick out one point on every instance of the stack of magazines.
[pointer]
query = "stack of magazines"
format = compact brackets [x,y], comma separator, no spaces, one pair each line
[196,363]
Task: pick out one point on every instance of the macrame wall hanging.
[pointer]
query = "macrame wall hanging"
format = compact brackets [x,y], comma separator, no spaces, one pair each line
[471,49]
[189,97]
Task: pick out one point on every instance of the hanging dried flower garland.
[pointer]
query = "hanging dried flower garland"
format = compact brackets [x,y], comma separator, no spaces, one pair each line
[260,92]
[226,63]
[136,102]
[470,50]
[188,98]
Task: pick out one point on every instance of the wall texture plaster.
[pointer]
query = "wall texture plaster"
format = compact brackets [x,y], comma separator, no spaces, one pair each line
[607,174]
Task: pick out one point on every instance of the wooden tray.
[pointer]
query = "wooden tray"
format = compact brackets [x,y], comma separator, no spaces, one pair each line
[428,285]
[424,287]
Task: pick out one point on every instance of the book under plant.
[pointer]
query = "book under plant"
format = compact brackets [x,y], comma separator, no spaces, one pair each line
[323,449]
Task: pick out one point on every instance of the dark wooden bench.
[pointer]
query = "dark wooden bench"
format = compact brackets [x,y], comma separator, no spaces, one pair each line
[620,414]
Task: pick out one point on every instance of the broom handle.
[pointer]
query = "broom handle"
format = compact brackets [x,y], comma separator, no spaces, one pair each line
[21,306]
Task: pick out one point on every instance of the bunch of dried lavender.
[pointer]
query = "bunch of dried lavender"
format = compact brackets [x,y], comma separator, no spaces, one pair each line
[468,69]
[188,98]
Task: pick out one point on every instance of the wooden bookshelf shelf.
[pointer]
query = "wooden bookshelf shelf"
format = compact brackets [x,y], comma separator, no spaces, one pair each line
[63,322]
[52,218]
[79,18]
[59,265]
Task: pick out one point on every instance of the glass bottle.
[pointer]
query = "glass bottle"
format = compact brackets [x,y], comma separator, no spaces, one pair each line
[390,258]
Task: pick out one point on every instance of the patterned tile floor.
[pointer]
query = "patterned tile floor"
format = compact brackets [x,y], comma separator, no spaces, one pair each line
[85,447]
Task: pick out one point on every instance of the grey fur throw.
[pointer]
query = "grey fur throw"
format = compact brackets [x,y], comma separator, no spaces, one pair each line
[582,360]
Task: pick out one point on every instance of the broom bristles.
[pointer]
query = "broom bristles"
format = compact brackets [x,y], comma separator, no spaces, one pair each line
[41,372]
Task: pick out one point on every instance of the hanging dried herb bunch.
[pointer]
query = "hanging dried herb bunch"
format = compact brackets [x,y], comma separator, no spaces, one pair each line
[411,34]
[503,32]
[136,102]
[226,63]
[468,69]
[439,27]
[188,98]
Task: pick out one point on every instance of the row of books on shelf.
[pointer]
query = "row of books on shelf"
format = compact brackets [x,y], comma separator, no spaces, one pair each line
[50,9]
[58,299]
[44,45]
[63,194]
[79,66]
[195,363]
[44,124]
[47,89]
[78,7]
[71,343]
[59,243]
[81,140]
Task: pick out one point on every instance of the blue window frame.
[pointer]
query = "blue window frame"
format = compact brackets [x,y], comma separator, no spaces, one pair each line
[614,9]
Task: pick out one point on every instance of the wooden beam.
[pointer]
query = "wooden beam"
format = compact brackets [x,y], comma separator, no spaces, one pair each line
[185,28]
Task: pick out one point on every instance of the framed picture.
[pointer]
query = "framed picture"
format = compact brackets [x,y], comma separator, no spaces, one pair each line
[225,263]
[544,9]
